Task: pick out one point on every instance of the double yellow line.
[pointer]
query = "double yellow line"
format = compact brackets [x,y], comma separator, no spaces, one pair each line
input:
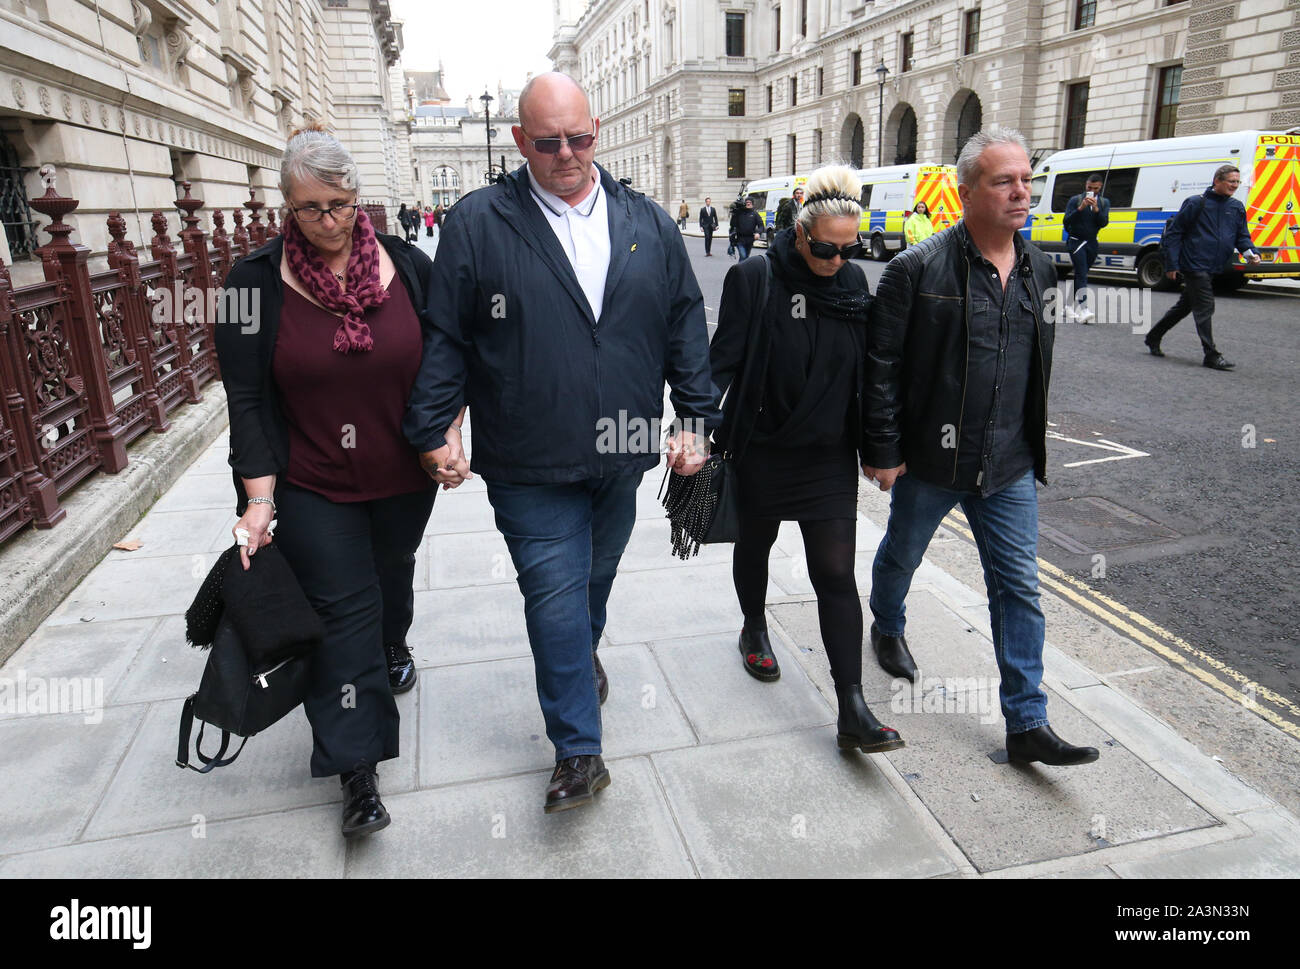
[1159,640]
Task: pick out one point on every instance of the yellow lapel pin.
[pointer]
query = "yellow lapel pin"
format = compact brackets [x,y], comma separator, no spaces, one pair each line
[633,249]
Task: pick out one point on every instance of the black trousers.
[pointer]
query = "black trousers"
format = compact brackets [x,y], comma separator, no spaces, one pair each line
[355,561]
[708,242]
[1198,299]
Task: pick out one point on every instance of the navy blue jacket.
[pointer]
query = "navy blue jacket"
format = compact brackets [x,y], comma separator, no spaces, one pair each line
[512,335]
[1205,245]
[1086,224]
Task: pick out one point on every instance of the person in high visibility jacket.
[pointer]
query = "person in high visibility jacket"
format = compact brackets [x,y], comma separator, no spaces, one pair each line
[918,227]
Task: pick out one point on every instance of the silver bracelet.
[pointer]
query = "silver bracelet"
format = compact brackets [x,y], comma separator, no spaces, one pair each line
[263,501]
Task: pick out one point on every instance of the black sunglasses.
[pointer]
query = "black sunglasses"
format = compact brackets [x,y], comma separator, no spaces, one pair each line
[551,146]
[827,250]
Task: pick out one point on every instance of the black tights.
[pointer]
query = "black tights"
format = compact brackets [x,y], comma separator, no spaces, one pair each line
[829,547]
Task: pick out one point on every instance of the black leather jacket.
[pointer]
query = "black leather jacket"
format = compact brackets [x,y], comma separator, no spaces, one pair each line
[918,352]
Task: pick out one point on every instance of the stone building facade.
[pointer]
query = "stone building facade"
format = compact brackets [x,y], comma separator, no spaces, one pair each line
[697,96]
[449,143]
[128,97]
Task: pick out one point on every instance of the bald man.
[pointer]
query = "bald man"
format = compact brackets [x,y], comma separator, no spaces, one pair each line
[562,302]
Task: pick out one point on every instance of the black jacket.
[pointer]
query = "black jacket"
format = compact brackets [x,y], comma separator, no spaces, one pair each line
[1205,232]
[709,218]
[745,224]
[513,336]
[259,437]
[917,352]
[742,347]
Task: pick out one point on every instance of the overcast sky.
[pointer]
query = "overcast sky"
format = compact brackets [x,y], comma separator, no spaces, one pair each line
[479,42]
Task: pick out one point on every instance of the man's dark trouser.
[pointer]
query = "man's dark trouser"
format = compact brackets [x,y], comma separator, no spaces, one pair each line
[1198,299]
[355,561]
[566,541]
[708,242]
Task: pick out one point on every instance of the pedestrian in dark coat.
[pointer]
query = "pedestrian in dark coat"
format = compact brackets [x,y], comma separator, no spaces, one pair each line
[566,302]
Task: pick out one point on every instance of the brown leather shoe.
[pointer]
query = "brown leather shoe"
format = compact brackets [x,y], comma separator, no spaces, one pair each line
[575,782]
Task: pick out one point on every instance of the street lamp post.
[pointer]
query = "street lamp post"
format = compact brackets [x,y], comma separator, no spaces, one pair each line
[487,100]
[881,73]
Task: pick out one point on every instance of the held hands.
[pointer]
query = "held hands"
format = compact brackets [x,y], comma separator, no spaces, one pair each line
[686,453]
[257,522]
[884,478]
[448,465]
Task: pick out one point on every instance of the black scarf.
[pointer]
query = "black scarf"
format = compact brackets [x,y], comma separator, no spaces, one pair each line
[843,296]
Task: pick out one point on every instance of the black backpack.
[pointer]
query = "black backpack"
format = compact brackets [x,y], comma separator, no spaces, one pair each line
[1196,202]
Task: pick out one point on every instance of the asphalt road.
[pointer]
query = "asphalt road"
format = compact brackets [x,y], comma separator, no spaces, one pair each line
[1198,533]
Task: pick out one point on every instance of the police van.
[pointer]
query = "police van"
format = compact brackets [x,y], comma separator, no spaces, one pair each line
[890,194]
[768,194]
[1147,181]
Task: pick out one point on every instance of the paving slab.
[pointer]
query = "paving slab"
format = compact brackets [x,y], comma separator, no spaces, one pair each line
[944,647]
[165,668]
[100,652]
[496,829]
[456,512]
[194,492]
[792,806]
[468,625]
[650,547]
[1156,743]
[1273,851]
[723,702]
[53,772]
[272,773]
[483,720]
[469,558]
[132,588]
[178,533]
[291,844]
[660,604]
[215,460]
[1033,813]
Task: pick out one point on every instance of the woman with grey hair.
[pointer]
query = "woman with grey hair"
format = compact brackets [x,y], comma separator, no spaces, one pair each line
[316,384]
[791,345]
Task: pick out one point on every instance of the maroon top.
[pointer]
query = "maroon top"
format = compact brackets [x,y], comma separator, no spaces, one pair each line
[344,410]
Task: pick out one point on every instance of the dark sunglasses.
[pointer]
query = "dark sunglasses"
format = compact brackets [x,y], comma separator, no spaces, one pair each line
[827,250]
[551,146]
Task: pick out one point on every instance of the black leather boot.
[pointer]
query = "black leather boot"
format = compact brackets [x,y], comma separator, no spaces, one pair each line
[1043,745]
[401,668]
[858,727]
[756,653]
[892,655]
[602,681]
[363,812]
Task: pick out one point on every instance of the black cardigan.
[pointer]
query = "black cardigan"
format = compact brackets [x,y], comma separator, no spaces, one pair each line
[259,436]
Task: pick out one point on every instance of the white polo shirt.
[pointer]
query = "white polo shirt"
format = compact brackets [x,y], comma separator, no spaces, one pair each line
[583,232]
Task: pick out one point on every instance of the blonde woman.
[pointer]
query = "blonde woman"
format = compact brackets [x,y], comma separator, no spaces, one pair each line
[794,361]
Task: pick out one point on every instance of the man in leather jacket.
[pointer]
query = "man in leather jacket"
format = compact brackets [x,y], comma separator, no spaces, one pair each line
[959,355]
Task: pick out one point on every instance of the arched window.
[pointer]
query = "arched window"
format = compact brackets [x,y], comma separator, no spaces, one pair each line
[905,154]
[969,122]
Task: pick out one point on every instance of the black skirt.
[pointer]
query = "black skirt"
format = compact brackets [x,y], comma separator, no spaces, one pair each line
[799,484]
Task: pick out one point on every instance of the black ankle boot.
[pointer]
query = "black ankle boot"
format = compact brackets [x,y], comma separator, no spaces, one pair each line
[858,727]
[401,668]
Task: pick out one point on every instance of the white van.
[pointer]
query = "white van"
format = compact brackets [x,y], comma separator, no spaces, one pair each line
[768,194]
[1147,181]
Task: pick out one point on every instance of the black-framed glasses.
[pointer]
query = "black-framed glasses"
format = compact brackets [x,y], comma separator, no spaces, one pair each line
[341,213]
[551,146]
[827,250]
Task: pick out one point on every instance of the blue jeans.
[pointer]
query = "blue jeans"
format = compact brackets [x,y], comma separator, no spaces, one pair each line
[566,541]
[742,252]
[1005,526]
[1083,255]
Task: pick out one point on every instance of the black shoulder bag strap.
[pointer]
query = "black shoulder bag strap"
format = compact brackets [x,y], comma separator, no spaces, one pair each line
[183,747]
[737,448]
